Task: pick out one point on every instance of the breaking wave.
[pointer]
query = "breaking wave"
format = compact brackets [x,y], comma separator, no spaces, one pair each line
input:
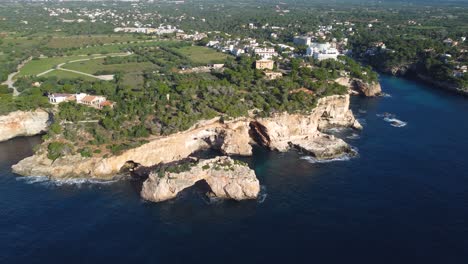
[362,121]
[65,182]
[386,95]
[391,118]
[262,195]
[212,200]
[353,136]
[395,122]
[335,130]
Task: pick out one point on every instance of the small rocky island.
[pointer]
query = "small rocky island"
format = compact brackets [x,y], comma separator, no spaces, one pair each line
[227,178]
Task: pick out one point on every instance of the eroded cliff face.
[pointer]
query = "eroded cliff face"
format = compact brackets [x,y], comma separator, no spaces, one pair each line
[227,179]
[280,132]
[21,123]
[284,131]
[357,86]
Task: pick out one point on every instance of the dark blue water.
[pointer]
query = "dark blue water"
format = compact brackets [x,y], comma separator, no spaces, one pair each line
[404,200]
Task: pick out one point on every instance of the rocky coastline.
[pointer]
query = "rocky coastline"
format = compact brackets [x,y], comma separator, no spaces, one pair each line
[411,71]
[21,123]
[280,132]
[359,87]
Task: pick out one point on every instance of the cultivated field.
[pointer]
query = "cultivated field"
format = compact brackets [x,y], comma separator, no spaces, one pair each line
[94,66]
[83,41]
[38,66]
[59,74]
[202,55]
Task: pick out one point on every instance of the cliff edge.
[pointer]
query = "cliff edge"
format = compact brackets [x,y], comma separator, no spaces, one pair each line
[280,132]
[21,123]
[357,86]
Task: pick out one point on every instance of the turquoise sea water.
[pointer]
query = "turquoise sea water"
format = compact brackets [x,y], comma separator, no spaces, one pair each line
[403,200]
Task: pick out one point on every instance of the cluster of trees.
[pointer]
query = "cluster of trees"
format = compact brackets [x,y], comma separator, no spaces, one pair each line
[419,48]
[174,102]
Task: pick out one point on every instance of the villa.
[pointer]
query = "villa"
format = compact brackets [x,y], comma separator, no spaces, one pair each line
[95,101]
[264,64]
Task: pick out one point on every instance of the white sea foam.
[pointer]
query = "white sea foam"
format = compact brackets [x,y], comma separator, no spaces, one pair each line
[262,195]
[362,121]
[386,95]
[395,122]
[33,179]
[335,130]
[391,118]
[213,200]
[353,136]
[65,182]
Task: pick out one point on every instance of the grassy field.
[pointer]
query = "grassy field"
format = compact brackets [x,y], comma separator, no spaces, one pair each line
[67,75]
[93,66]
[132,72]
[35,67]
[82,41]
[202,55]
[115,47]
[133,79]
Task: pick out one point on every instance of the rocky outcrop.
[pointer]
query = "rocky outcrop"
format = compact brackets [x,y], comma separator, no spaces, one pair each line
[357,86]
[227,179]
[21,123]
[323,147]
[285,131]
[367,89]
[280,132]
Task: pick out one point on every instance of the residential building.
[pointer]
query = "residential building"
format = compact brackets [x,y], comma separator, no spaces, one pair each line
[95,101]
[57,98]
[264,64]
[265,53]
[322,51]
[238,52]
[270,75]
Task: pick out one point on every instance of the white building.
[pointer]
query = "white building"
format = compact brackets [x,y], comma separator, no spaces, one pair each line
[322,51]
[57,98]
[95,101]
[265,53]
[238,52]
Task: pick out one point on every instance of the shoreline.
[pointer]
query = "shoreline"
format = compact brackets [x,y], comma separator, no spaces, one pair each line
[281,133]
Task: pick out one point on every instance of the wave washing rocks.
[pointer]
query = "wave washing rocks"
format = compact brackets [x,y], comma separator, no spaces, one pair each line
[280,132]
[391,118]
[21,123]
[227,178]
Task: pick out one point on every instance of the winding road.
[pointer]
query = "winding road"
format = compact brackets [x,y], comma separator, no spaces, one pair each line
[99,77]
[10,82]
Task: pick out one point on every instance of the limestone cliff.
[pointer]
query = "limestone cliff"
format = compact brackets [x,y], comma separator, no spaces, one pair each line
[227,179]
[284,131]
[360,87]
[21,123]
[279,132]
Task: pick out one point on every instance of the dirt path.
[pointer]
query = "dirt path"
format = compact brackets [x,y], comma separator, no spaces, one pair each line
[101,77]
[10,82]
